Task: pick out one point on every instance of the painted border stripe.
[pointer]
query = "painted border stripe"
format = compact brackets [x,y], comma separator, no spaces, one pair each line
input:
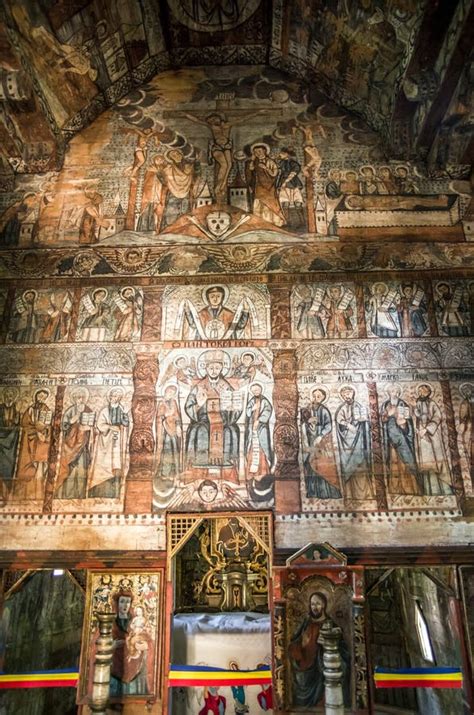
[66,678]
[186,675]
[417,671]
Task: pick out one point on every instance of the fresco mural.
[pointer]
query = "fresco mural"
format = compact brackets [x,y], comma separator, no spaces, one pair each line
[204,155]
[324,310]
[25,438]
[454,301]
[40,316]
[396,310]
[216,312]
[316,602]
[214,429]
[135,598]
[110,314]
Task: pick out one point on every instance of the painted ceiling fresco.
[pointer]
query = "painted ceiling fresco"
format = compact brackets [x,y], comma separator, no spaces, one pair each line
[220,156]
[397,64]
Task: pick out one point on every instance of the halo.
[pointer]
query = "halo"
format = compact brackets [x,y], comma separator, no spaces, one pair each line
[213,356]
[127,288]
[13,388]
[379,283]
[30,290]
[347,387]
[462,389]
[117,388]
[262,144]
[215,285]
[97,290]
[80,388]
[41,389]
[321,389]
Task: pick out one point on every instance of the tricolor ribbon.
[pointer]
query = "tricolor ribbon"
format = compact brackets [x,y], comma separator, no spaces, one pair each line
[40,679]
[418,678]
[185,675]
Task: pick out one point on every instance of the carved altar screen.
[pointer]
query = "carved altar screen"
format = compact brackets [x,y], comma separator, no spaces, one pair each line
[219,570]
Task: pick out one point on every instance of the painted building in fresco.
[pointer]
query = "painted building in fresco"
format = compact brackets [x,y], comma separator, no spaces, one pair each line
[237,283]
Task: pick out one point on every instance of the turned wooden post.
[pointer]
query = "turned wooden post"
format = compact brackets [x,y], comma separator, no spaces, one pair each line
[329,638]
[102,663]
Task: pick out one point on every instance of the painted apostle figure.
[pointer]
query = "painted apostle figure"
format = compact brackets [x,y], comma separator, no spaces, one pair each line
[430,448]
[77,426]
[353,439]
[399,444]
[213,408]
[110,449]
[319,464]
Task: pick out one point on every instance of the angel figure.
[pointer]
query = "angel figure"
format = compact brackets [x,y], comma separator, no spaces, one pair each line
[215,321]
[246,366]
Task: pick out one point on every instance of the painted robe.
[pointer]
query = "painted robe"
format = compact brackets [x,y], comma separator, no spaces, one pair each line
[430,449]
[399,443]
[110,452]
[353,439]
[319,463]
[262,176]
[9,437]
[257,441]
[33,454]
[128,322]
[212,439]
[169,433]
[76,454]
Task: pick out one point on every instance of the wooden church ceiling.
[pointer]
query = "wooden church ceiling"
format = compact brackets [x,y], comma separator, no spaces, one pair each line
[404,66]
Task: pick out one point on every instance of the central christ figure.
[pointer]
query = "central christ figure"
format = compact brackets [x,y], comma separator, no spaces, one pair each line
[213,407]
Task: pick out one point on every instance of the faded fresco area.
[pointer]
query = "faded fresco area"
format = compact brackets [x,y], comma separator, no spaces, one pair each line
[214,430]
[215,156]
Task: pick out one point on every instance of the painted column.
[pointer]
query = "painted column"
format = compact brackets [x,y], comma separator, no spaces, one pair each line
[139,484]
[102,663]
[329,638]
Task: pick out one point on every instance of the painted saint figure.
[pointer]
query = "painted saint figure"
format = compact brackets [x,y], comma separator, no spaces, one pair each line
[220,147]
[339,312]
[262,173]
[399,444]
[289,187]
[213,407]
[306,655]
[430,448]
[214,321]
[128,315]
[25,323]
[466,420]
[169,436]
[353,439]
[33,454]
[59,315]
[258,448]
[411,308]
[308,315]
[382,312]
[9,437]
[133,656]
[110,449]
[452,310]
[97,322]
[319,464]
[77,427]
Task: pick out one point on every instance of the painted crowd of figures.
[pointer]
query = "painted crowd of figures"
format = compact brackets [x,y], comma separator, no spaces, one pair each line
[319,311]
[337,452]
[213,431]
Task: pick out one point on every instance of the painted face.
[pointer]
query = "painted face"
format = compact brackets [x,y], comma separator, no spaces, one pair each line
[115,396]
[347,394]
[79,397]
[215,297]
[316,605]
[41,396]
[175,155]
[318,396]
[170,393]
[335,292]
[424,391]
[256,390]
[214,369]
[260,152]
[99,296]
[123,606]
[29,297]
[247,359]
[218,222]
[208,493]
